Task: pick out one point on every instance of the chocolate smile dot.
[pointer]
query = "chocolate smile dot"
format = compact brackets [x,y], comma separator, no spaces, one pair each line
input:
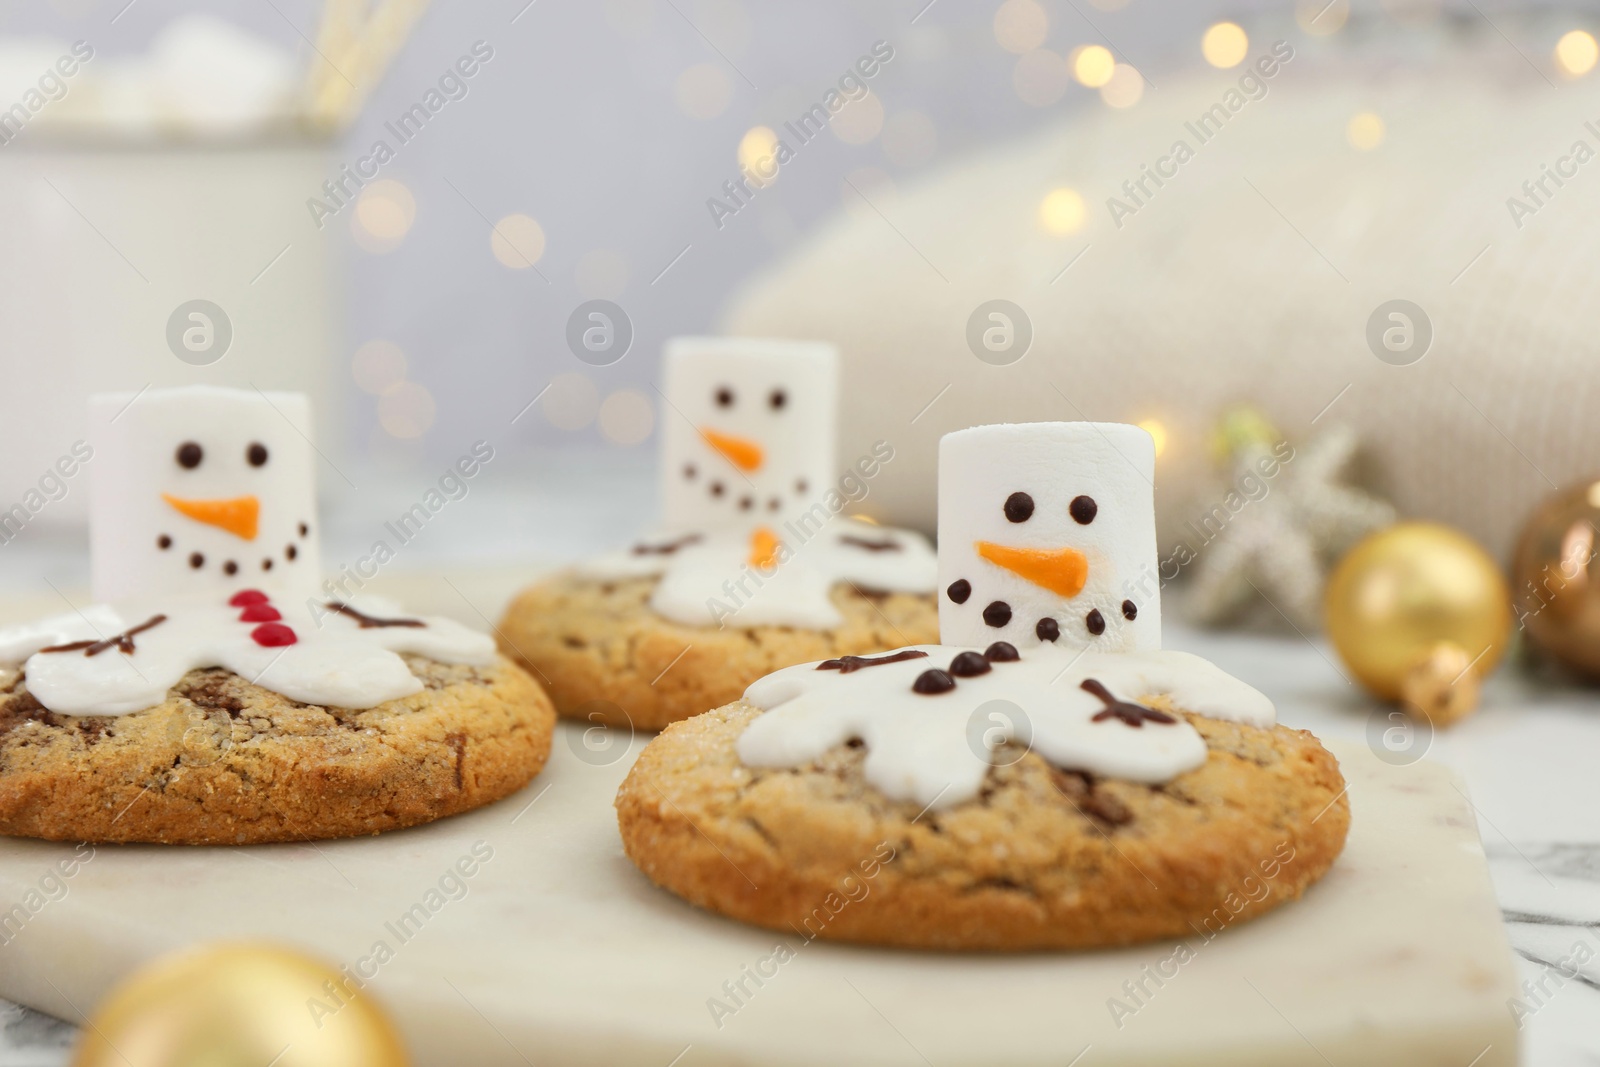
[774,504]
[291,552]
[196,560]
[1047,630]
[931,682]
[746,503]
[1002,652]
[1019,507]
[1130,610]
[256,454]
[689,471]
[778,399]
[997,613]
[724,397]
[189,455]
[163,541]
[304,529]
[969,665]
[716,488]
[1096,622]
[1083,509]
[266,564]
[959,590]
[230,568]
[801,485]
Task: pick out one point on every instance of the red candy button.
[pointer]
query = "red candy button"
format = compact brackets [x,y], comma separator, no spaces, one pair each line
[245,597]
[273,635]
[260,613]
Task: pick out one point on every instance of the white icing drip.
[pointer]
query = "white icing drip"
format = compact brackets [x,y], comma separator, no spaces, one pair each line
[700,579]
[934,750]
[334,661]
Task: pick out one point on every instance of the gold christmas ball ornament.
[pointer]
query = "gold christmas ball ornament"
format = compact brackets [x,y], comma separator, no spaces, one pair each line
[1557,581]
[239,1005]
[1442,687]
[1401,593]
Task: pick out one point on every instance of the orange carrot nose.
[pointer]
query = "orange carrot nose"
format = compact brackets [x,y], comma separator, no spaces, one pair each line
[741,452]
[764,548]
[1060,570]
[238,516]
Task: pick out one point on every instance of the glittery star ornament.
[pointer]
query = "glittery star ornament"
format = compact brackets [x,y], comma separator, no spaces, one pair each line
[1276,529]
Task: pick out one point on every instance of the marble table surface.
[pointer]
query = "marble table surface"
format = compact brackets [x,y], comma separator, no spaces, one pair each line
[1527,756]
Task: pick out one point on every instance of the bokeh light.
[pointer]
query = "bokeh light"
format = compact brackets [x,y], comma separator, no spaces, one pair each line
[1021,25]
[626,417]
[703,91]
[1061,212]
[406,410]
[1125,88]
[378,366]
[383,216]
[1040,77]
[1322,17]
[1364,131]
[909,138]
[757,156]
[1225,45]
[1093,65]
[859,121]
[571,402]
[517,241]
[1157,431]
[1576,53]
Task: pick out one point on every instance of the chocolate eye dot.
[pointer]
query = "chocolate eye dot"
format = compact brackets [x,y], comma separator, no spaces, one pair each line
[1130,610]
[266,564]
[1096,622]
[1083,509]
[196,560]
[716,488]
[1047,630]
[256,454]
[933,682]
[959,590]
[778,399]
[1019,507]
[189,455]
[230,567]
[724,397]
[304,529]
[997,614]
[969,665]
[163,541]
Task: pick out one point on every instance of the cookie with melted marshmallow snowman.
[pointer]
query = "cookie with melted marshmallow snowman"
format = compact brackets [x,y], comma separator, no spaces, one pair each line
[753,537]
[1007,758]
[204,554]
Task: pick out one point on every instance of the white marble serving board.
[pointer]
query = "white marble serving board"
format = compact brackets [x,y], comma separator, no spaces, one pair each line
[562,953]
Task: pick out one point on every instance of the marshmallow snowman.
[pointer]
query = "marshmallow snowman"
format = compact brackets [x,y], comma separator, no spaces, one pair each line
[201,503]
[1047,537]
[201,488]
[748,434]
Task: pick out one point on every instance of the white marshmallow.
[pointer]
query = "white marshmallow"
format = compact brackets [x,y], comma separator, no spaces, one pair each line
[142,497]
[770,405]
[998,558]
